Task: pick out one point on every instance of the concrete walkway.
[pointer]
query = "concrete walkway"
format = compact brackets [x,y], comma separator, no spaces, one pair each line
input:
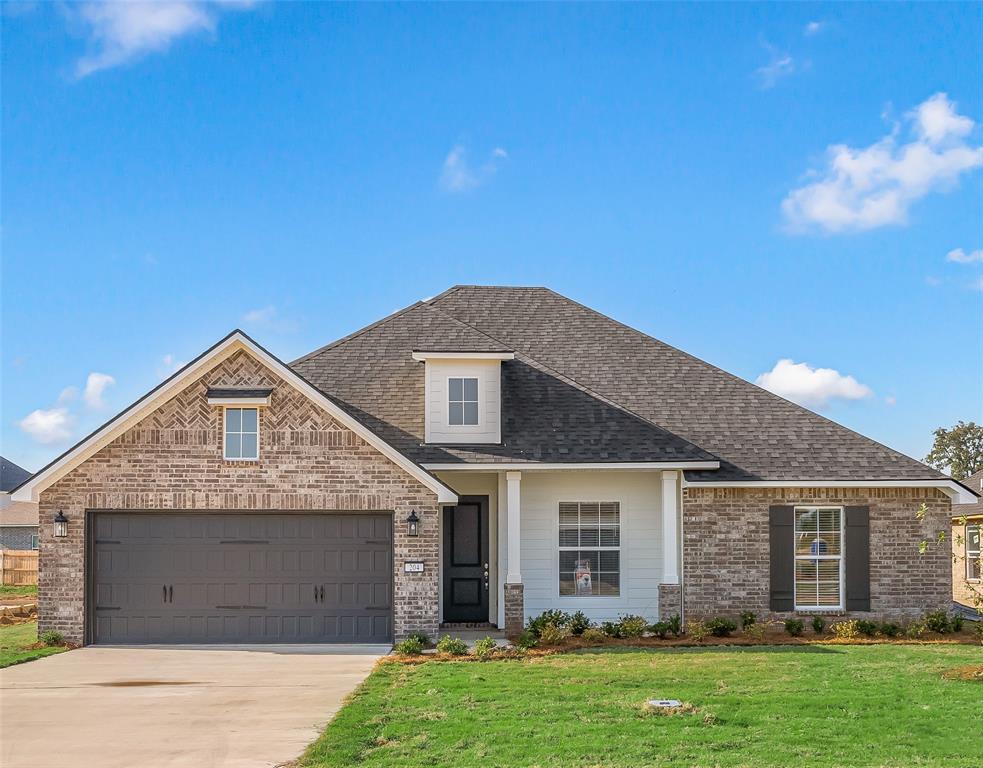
[205,707]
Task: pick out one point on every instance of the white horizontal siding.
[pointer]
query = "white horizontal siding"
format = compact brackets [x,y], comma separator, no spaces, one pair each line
[488,429]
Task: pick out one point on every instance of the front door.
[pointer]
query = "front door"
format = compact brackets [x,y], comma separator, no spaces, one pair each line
[466,560]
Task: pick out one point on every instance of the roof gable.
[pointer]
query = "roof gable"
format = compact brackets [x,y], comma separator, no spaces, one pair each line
[11,475]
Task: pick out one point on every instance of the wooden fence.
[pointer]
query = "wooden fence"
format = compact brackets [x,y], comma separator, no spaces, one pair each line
[19,566]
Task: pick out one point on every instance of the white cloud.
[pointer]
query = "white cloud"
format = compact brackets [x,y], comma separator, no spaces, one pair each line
[780,65]
[95,385]
[874,186]
[891,400]
[457,174]
[811,387]
[959,256]
[260,316]
[48,426]
[121,31]
[813,28]
[68,394]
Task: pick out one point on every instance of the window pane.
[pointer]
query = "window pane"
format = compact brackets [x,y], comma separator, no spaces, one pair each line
[233,446]
[609,584]
[805,520]
[805,543]
[610,537]
[250,449]
[456,414]
[233,419]
[829,520]
[609,513]
[249,419]
[470,413]
[567,584]
[569,537]
[471,390]
[590,514]
[805,582]
[589,537]
[569,513]
[455,389]
[568,561]
[610,561]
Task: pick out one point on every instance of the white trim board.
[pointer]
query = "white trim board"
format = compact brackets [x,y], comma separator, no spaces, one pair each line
[224,349]
[536,466]
[424,356]
[950,488]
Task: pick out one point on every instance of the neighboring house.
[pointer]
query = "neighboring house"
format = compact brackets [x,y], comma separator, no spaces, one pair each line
[967,523]
[475,458]
[18,519]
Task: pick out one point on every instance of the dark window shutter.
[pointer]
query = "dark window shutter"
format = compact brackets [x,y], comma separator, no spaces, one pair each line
[781,539]
[857,551]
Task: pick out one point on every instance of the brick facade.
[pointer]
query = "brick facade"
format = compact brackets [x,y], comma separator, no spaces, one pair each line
[726,547]
[514,610]
[670,601]
[173,459]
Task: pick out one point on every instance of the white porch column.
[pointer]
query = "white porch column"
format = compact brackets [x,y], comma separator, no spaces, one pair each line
[670,528]
[513,503]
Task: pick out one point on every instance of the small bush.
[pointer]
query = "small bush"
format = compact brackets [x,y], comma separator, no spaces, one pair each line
[555,617]
[525,641]
[660,629]
[675,625]
[890,629]
[818,624]
[632,626]
[748,618]
[454,646]
[756,631]
[846,630]
[553,635]
[937,621]
[956,623]
[51,637]
[914,630]
[485,648]
[794,627]
[978,630]
[411,646]
[721,627]
[697,630]
[579,623]
[867,628]
[595,635]
[611,628]
[423,637]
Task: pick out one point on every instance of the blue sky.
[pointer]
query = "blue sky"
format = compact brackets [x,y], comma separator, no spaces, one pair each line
[753,184]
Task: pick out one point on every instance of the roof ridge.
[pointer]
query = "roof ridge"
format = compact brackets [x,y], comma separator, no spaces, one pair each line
[359,332]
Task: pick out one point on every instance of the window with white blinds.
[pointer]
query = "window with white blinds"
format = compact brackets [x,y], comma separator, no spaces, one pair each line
[818,558]
[590,548]
[973,551]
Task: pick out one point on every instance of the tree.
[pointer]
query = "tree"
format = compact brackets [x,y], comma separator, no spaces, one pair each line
[959,449]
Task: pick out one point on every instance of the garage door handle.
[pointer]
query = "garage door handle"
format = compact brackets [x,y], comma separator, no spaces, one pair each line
[165,593]
[170,594]
[315,593]
[322,593]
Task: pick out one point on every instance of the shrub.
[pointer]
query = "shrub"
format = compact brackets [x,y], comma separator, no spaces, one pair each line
[611,628]
[660,629]
[51,637]
[956,622]
[937,621]
[794,627]
[914,630]
[978,630]
[846,630]
[485,648]
[675,625]
[594,635]
[721,627]
[553,635]
[867,628]
[890,629]
[455,646]
[411,646]
[423,637]
[698,630]
[756,631]
[818,624]
[579,623]
[632,626]
[555,617]
[525,641]
[748,618]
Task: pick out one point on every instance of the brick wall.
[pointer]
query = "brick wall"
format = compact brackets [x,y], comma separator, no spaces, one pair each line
[172,459]
[725,547]
[961,589]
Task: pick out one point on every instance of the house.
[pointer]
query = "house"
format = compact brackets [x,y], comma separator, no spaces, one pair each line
[18,520]
[473,459]
[967,522]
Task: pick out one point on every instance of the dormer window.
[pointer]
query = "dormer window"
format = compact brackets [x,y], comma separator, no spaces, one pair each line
[242,434]
[462,403]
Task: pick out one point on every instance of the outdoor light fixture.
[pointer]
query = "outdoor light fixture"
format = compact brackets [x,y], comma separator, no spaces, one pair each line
[413,524]
[61,525]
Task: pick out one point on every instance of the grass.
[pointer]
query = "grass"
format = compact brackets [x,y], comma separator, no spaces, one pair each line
[877,705]
[16,641]
[9,590]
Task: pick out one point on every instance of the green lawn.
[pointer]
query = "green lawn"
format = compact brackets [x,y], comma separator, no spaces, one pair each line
[14,642]
[9,590]
[879,705]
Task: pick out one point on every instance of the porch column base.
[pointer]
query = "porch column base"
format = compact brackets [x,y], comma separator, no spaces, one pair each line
[670,601]
[515,619]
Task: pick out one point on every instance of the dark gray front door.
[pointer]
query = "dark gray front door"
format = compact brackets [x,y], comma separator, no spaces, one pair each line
[466,560]
[193,577]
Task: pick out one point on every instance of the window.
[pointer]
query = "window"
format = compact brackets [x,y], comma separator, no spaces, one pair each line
[973,551]
[242,433]
[818,558]
[34,541]
[590,548]
[462,400]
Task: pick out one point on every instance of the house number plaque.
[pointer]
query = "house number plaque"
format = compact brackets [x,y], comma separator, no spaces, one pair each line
[413,566]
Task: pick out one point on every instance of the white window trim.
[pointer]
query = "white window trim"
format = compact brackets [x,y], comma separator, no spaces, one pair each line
[225,433]
[841,557]
[35,541]
[622,549]
[447,403]
[969,559]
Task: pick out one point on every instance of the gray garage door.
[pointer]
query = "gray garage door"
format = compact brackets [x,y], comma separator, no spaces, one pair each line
[192,577]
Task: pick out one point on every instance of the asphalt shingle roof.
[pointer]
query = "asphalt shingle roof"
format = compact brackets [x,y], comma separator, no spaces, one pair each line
[11,475]
[584,387]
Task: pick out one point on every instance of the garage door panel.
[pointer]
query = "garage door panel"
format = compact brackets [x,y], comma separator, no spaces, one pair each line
[242,578]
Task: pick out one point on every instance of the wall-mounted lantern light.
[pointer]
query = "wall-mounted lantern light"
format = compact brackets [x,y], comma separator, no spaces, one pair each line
[413,524]
[61,525]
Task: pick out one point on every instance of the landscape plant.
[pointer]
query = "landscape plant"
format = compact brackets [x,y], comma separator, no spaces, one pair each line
[721,626]
[410,646]
[454,646]
[794,627]
[485,648]
[818,624]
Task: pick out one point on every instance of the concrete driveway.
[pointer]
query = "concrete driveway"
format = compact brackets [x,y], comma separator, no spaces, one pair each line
[234,707]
